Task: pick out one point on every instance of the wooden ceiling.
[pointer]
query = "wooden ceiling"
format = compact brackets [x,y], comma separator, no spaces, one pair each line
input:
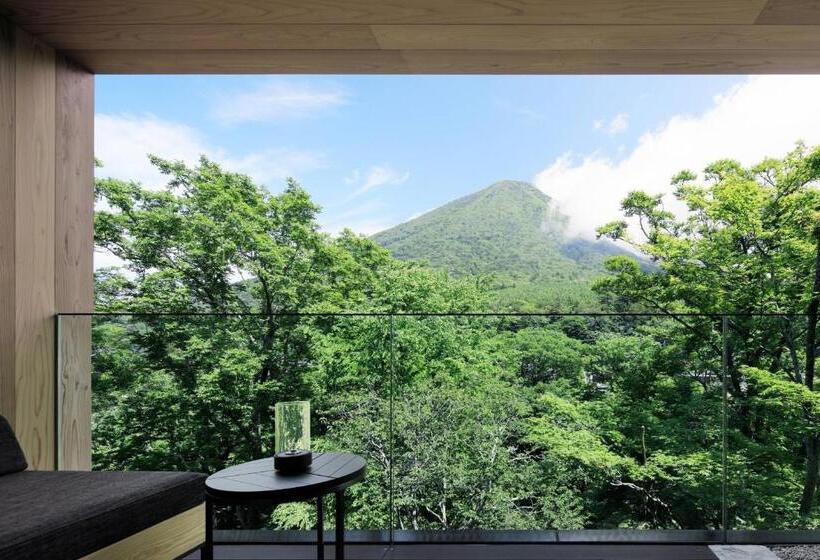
[429,36]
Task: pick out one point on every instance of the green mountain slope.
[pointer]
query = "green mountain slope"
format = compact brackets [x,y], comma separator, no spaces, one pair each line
[512,231]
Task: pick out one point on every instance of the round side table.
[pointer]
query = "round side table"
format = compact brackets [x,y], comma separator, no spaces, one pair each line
[257,482]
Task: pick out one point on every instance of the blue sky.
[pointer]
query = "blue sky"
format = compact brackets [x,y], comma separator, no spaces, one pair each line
[376,150]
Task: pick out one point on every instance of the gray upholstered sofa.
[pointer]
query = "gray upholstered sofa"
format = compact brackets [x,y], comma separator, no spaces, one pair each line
[69,515]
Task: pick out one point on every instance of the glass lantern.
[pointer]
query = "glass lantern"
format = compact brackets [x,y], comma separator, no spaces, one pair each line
[292,443]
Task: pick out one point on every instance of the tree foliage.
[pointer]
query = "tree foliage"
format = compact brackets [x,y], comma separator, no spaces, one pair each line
[520,422]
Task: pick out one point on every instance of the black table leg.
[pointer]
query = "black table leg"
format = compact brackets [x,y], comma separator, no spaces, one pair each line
[208,548]
[320,528]
[340,525]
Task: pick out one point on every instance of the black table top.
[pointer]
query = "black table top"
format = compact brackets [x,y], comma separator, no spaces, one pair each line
[258,480]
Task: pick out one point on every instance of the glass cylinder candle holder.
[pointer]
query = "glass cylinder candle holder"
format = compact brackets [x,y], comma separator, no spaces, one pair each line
[292,442]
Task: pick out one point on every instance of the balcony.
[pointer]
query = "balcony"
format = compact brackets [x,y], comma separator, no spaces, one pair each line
[625,432]
[520,429]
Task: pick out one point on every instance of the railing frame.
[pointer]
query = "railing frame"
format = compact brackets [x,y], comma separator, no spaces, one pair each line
[392,536]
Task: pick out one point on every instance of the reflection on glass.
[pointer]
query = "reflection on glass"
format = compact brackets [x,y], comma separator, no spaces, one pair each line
[292,426]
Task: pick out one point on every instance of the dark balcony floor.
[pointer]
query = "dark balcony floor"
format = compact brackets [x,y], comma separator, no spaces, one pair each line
[467,552]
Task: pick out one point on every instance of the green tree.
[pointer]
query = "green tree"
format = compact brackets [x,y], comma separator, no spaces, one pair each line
[747,244]
[519,422]
[183,391]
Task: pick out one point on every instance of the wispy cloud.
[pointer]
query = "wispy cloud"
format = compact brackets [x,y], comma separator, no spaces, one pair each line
[277,100]
[617,124]
[757,118]
[370,226]
[122,143]
[365,218]
[376,177]
[275,164]
[353,178]
[520,110]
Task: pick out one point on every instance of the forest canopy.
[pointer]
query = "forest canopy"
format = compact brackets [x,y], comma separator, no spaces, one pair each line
[498,421]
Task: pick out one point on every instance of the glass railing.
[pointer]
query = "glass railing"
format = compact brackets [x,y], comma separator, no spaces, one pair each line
[479,427]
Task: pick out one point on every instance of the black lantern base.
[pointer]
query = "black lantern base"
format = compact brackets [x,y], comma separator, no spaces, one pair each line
[292,462]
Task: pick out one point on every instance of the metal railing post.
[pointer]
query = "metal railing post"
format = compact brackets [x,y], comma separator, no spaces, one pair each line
[391,446]
[724,429]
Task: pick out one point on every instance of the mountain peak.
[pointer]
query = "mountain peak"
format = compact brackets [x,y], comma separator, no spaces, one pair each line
[509,187]
[512,184]
[510,230]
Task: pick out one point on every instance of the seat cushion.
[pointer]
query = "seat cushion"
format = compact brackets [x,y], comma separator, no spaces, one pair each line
[11,456]
[68,514]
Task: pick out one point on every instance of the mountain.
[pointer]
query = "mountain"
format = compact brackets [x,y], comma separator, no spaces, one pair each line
[514,232]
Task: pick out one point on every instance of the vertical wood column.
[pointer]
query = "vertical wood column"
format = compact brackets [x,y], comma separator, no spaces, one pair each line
[73,260]
[7,222]
[46,245]
[34,250]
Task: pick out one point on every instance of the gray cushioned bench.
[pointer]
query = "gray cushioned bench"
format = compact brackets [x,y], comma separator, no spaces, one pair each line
[69,514]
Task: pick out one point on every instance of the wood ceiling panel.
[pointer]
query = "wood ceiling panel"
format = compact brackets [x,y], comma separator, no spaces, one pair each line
[450,62]
[791,12]
[205,37]
[428,37]
[241,62]
[612,62]
[109,12]
[597,37]
[436,36]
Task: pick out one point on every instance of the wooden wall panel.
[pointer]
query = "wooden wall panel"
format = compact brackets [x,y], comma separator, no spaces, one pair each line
[74,394]
[7,222]
[73,258]
[34,259]
[74,187]
[46,248]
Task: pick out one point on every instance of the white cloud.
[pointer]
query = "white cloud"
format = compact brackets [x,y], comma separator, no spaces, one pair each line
[353,178]
[376,177]
[123,142]
[366,218]
[759,117]
[619,123]
[273,165]
[103,258]
[276,100]
[370,226]
[521,110]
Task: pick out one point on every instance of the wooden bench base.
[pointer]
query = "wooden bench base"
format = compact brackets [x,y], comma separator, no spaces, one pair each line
[164,541]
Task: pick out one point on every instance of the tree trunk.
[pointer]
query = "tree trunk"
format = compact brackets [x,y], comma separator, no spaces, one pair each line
[742,414]
[812,444]
[810,484]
